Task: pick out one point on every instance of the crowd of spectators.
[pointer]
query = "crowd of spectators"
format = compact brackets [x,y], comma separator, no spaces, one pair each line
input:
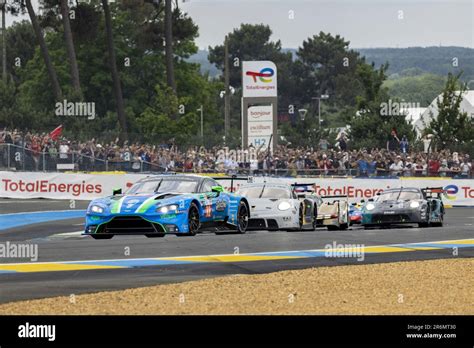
[40,152]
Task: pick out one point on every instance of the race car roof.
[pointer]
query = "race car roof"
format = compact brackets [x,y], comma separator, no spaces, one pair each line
[397,189]
[172,177]
[268,184]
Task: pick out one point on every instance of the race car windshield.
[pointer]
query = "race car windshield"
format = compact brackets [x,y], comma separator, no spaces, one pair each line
[179,186]
[397,195]
[269,192]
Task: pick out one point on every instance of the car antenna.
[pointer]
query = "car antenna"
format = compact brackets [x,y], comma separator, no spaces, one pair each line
[159,184]
[263,189]
[399,192]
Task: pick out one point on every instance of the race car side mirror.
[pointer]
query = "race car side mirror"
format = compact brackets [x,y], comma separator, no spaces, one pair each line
[117,191]
[217,189]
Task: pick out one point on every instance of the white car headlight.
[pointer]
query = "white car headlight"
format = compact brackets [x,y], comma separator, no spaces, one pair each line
[284,206]
[414,204]
[167,208]
[97,209]
[370,206]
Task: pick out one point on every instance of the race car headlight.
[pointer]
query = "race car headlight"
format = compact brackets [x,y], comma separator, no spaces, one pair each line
[97,209]
[414,205]
[284,206]
[370,206]
[167,209]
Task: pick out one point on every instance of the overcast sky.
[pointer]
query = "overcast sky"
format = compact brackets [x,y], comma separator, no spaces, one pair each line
[365,23]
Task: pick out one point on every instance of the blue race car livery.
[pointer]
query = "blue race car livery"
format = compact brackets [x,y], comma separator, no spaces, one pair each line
[167,204]
[355,213]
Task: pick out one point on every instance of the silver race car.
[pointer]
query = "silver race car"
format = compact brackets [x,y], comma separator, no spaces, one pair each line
[405,205]
[277,206]
[334,212]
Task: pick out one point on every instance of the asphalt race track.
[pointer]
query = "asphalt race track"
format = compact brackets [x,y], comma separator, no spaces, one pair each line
[69,263]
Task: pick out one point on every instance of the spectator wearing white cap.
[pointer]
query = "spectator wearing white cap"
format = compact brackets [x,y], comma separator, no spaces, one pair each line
[466,168]
[396,167]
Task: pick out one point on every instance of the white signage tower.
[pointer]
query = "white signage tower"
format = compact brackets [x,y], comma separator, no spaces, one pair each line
[259,104]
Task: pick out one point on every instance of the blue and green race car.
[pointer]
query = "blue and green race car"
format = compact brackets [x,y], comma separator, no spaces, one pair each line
[168,204]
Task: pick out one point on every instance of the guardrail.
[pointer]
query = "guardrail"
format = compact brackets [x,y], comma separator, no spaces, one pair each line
[17,158]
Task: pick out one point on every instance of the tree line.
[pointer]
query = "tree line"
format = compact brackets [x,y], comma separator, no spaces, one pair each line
[131,58]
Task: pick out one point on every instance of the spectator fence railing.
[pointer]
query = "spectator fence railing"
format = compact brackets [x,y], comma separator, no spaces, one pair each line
[18,158]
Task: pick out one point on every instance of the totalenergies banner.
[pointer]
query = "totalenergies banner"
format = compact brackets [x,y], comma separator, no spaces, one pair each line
[89,186]
[62,186]
[458,192]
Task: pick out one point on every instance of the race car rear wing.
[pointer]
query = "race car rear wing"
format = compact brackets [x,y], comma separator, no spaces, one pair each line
[295,185]
[335,196]
[429,191]
[232,178]
[301,189]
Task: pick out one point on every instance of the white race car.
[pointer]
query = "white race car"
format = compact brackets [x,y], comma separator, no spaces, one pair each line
[334,212]
[277,206]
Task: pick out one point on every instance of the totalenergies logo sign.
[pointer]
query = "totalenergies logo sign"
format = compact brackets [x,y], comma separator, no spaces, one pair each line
[259,79]
[455,192]
[264,75]
[450,192]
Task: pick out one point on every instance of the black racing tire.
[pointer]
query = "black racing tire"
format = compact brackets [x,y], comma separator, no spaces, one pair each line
[193,221]
[427,222]
[242,218]
[102,236]
[438,224]
[315,217]
[300,218]
[343,227]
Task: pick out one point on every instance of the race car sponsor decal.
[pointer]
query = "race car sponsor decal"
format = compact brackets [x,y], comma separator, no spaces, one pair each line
[146,205]
[117,205]
[221,205]
[208,208]
[168,216]
[131,203]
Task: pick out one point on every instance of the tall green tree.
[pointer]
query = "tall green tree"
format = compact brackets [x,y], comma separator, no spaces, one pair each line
[21,45]
[253,42]
[114,71]
[44,50]
[71,51]
[326,64]
[249,42]
[451,126]
[169,45]
[371,128]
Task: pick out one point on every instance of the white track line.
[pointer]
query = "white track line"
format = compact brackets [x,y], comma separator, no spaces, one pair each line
[218,255]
